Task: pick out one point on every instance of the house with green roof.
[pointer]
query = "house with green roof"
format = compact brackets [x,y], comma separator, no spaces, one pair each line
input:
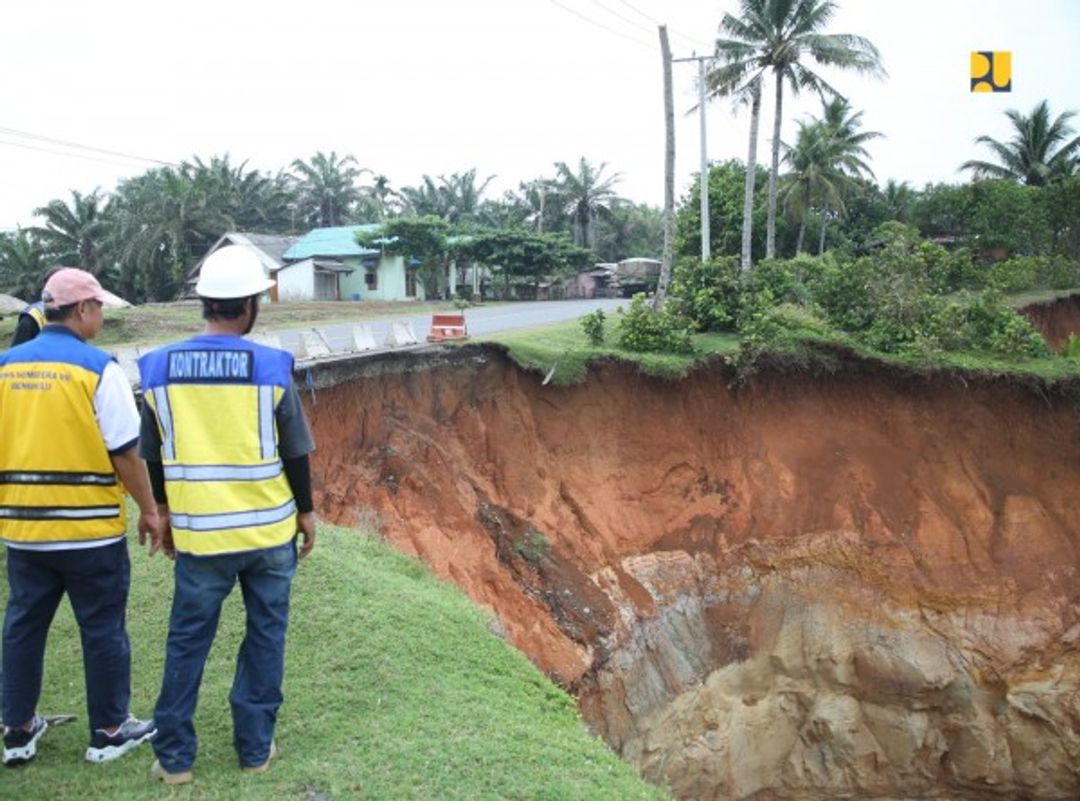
[331,257]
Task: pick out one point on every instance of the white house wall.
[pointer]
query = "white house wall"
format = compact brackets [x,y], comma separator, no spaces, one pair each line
[297,282]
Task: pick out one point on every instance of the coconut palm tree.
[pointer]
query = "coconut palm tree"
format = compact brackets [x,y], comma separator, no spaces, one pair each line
[327,187]
[778,36]
[73,233]
[1039,153]
[899,197]
[585,195]
[740,78]
[827,154]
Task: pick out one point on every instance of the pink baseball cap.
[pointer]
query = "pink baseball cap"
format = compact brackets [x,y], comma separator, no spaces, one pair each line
[71,285]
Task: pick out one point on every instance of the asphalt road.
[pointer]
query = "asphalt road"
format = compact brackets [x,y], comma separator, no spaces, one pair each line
[480,320]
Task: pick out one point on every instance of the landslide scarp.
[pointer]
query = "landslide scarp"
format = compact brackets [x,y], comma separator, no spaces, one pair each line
[859,583]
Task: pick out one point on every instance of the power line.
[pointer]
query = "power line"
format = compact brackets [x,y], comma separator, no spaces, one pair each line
[624,18]
[620,34]
[79,146]
[55,152]
[643,15]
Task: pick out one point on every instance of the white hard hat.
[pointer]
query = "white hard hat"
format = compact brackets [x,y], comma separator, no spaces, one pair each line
[232,272]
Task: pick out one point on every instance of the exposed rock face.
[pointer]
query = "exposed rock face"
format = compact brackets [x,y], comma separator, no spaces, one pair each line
[861,584]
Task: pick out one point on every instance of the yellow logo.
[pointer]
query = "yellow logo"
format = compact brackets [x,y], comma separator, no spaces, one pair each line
[991,71]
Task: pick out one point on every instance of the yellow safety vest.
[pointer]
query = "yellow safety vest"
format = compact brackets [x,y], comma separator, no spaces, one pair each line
[57,482]
[214,398]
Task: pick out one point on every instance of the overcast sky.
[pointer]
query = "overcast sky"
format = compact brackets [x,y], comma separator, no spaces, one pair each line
[507,86]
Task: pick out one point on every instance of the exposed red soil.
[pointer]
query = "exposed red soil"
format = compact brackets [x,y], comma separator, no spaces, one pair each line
[1055,319]
[636,535]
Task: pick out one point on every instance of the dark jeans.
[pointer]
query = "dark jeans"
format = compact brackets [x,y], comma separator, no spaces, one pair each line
[202,584]
[96,581]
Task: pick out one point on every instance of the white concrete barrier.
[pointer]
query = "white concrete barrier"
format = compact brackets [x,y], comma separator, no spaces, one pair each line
[400,334]
[268,339]
[314,344]
[362,338]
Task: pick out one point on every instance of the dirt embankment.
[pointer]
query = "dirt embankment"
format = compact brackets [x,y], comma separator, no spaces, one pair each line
[1055,319]
[860,584]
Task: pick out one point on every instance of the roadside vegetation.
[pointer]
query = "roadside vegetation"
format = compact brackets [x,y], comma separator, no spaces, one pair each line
[396,688]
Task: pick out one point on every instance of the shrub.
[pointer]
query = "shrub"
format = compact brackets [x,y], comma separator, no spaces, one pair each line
[1013,275]
[644,329]
[707,293]
[983,322]
[593,326]
[789,280]
[844,293]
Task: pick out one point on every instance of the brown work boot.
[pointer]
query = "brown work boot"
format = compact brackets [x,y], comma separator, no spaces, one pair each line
[158,773]
[265,766]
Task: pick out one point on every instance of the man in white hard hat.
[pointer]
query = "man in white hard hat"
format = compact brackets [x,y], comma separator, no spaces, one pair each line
[226,444]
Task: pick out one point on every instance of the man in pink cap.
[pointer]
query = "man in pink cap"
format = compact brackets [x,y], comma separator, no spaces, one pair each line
[68,430]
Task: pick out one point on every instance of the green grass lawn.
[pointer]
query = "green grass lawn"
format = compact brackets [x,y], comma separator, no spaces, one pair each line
[395,689]
[563,346]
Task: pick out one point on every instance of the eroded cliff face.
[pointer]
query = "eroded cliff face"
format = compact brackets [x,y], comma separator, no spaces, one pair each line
[857,583]
[1055,319]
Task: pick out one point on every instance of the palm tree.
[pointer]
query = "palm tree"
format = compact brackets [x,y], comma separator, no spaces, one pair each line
[775,35]
[73,234]
[740,77]
[22,265]
[585,195]
[166,219]
[1039,153]
[327,187]
[813,178]
[899,197]
[827,154]
[383,200]
[455,198]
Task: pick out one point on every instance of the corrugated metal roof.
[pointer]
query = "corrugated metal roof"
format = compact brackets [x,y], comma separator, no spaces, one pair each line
[338,241]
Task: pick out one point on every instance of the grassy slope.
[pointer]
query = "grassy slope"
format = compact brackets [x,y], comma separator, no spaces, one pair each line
[564,347]
[395,689]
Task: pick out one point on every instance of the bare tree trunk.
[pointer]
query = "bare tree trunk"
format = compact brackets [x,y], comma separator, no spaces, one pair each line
[770,223]
[821,240]
[802,232]
[669,173]
[751,177]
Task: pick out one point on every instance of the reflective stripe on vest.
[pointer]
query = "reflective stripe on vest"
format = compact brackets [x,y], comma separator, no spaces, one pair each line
[214,398]
[57,483]
[36,312]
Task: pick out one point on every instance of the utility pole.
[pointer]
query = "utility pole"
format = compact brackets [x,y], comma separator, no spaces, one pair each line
[669,173]
[706,240]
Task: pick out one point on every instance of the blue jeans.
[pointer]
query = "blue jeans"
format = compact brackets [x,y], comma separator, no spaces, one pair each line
[96,581]
[202,584]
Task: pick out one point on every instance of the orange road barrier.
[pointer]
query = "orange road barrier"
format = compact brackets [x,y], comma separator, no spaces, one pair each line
[447,326]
